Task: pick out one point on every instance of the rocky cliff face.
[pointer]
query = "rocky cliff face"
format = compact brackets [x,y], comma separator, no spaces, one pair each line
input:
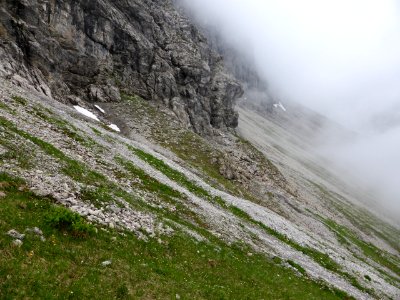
[242,67]
[237,62]
[94,50]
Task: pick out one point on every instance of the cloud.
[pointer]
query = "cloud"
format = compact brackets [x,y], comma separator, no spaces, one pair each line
[340,58]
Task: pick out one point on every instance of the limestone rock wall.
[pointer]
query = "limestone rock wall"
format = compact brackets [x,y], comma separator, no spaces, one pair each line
[95,50]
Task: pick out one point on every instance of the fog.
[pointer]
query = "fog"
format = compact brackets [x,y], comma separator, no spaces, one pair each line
[340,58]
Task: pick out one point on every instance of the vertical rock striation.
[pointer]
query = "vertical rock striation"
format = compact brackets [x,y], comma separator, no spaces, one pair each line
[97,49]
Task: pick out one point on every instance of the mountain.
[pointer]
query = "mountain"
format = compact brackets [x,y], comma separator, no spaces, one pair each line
[127,171]
[95,50]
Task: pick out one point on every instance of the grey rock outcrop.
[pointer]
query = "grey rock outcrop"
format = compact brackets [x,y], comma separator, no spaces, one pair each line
[15,234]
[95,50]
[239,62]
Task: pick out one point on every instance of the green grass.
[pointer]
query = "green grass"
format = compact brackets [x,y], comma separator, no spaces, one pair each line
[63,126]
[182,180]
[147,182]
[380,256]
[68,221]
[20,100]
[101,187]
[96,131]
[182,142]
[297,267]
[4,106]
[319,257]
[171,173]
[361,218]
[205,159]
[368,224]
[72,168]
[98,195]
[104,191]
[183,146]
[182,215]
[69,267]
[16,152]
[322,259]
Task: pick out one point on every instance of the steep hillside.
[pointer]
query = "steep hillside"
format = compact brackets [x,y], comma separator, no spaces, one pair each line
[147,188]
[121,175]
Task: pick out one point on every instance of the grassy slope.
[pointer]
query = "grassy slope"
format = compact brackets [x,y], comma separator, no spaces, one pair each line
[105,190]
[321,258]
[182,145]
[80,173]
[182,142]
[68,266]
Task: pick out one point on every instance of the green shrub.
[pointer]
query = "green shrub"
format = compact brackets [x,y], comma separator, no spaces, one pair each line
[63,219]
[20,100]
[297,267]
[122,292]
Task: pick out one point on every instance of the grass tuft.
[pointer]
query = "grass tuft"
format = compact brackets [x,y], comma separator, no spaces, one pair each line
[297,267]
[20,100]
[65,220]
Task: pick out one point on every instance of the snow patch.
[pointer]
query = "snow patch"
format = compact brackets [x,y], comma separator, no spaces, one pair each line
[114,127]
[280,105]
[100,109]
[86,113]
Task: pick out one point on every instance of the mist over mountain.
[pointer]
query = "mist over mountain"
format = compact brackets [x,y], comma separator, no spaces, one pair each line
[339,58]
[168,149]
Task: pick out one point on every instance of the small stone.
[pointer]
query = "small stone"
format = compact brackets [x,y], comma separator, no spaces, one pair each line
[72,201]
[37,231]
[106,263]
[249,254]
[114,238]
[22,205]
[41,192]
[2,194]
[114,208]
[177,296]
[17,243]
[15,234]
[111,225]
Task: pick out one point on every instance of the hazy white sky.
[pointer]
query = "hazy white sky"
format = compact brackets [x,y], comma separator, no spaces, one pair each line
[341,58]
